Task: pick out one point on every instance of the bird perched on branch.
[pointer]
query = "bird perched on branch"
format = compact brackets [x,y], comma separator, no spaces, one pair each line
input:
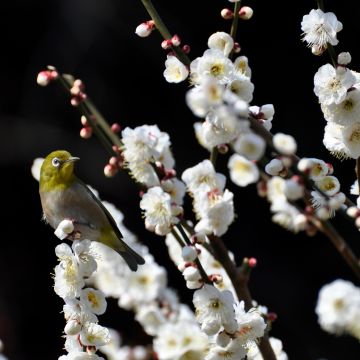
[64,196]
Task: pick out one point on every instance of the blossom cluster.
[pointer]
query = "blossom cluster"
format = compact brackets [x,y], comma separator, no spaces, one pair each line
[82,304]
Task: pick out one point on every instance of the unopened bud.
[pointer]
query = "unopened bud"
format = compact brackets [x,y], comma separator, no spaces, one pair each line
[79,84]
[216,278]
[331,168]
[65,228]
[145,29]
[252,262]
[176,40]
[261,188]
[84,121]
[271,316]
[86,132]
[166,44]
[72,327]
[44,78]
[316,50]
[110,170]
[246,13]
[189,253]
[191,274]
[353,211]
[236,48]
[115,128]
[186,49]
[113,161]
[344,58]
[227,14]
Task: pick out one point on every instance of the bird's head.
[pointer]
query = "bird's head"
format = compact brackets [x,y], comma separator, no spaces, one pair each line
[57,170]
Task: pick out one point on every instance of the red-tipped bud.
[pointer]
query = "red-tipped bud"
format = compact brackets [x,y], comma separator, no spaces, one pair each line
[331,168]
[116,149]
[227,14]
[186,49]
[261,188]
[145,29]
[246,13]
[84,121]
[252,262]
[169,174]
[79,84]
[166,44]
[110,170]
[222,148]
[176,41]
[115,128]
[113,161]
[86,132]
[44,78]
[271,316]
[236,48]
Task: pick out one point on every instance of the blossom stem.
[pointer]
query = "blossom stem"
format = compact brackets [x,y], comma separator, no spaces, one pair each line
[213,155]
[165,33]
[240,279]
[320,4]
[187,241]
[235,22]
[83,109]
[340,244]
[332,53]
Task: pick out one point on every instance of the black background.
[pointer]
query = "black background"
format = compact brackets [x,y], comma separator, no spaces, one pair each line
[95,41]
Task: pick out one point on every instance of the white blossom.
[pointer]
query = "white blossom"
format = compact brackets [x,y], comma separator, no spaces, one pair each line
[338,307]
[158,211]
[180,341]
[233,351]
[320,28]
[94,299]
[263,115]
[330,185]
[175,70]
[284,144]
[214,309]
[242,171]
[216,212]
[274,167]
[94,335]
[250,145]
[351,138]
[221,41]
[345,113]
[203,176]
[213,63]
[334,142]
[316,169]
[241,66]
[331,86]
[242,87]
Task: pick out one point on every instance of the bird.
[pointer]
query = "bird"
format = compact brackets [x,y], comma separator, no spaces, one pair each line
[64,196]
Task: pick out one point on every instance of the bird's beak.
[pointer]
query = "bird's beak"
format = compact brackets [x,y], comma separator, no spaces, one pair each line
[71,159]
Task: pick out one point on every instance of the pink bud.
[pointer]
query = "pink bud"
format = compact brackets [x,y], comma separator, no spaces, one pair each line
[246,13]
[44,78]
[186,49]
[143,30]
[331,168]
[166,44]
[227,14]
[236,48]
[79,84]
[74,101]
[113,161]
[271,316]
[110,170]
[252,262]
[261,188]
[176,40]
[86,132]
[115,128]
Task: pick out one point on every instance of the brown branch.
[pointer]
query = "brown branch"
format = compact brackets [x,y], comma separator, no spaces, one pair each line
[240,278]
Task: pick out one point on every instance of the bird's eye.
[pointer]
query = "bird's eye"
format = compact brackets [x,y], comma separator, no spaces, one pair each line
[56,162]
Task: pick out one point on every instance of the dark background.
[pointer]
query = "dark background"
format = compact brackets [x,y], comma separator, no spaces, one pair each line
[95,41]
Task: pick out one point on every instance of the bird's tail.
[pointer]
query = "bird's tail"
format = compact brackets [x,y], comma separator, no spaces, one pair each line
[132,258]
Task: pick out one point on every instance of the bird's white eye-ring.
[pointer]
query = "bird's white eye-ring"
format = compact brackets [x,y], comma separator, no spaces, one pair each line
[56,162]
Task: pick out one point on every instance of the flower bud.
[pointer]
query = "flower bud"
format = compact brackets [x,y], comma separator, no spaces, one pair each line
[86,132]
[110,170]
[246,13]
[115,128]
[44,78]
[344,58]
[236,48]
[353,211]
[65,228]
[166,44]
[227,14]
[72,327]
[186,49]
[176,40]
[191,273]
[189,253]
[145,29]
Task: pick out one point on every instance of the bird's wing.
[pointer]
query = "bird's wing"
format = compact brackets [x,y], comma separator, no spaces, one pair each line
[103,208]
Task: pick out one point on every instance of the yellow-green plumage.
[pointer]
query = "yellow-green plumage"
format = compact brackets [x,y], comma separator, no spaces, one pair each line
[64,196]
